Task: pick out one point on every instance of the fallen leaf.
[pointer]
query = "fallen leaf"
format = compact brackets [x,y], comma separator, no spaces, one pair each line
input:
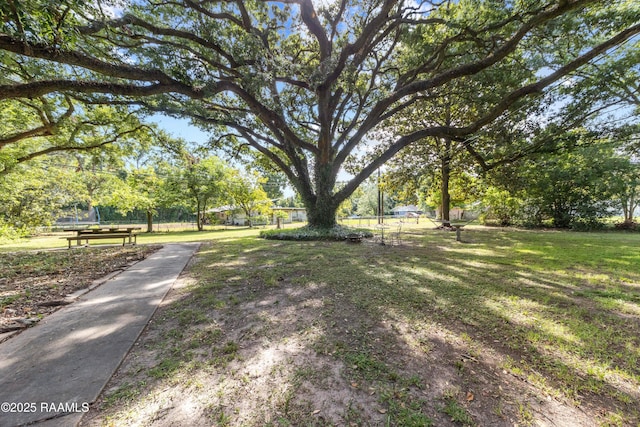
[354,385]
[470,396]
[317,411]
[382,411]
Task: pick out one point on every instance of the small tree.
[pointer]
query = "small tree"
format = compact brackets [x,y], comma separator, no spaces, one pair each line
[141,189]
[247,194]
[280,217]
[199,184]
[627,196]
[33,195]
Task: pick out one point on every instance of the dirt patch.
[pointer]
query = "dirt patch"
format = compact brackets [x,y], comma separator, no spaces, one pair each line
[37,283]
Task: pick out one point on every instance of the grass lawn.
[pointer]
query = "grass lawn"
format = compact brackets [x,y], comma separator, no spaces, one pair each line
[57,241]
[504,328]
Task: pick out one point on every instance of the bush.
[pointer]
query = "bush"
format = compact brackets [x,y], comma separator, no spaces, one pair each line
[312,233]
[587,224]
[9,232]
[500,208]
[627,225]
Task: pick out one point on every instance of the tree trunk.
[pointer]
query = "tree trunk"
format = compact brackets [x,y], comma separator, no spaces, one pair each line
[199,217]
[380,209]
[625,210]
[445,175]
[628,207]
[90,207]
[321,210]
[149,221]
[322,207]
[561,215]
[321,214]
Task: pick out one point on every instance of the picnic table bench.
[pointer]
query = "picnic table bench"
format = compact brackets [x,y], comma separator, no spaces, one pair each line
[103,233]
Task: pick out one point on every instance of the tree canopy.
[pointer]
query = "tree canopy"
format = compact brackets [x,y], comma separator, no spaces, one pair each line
[307,84]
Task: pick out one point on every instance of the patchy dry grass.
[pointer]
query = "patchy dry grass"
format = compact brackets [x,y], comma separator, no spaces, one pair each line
[526,328]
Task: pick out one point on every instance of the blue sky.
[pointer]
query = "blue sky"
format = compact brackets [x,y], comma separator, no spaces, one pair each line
[180,128]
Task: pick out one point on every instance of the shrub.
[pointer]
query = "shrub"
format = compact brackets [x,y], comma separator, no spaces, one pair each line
[627,225]
[587,224]
[312,233]
[10,232]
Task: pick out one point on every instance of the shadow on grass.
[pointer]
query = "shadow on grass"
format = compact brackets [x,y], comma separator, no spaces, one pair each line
[507,327]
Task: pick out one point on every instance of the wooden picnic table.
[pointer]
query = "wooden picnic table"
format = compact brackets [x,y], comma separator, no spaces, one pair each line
[100,233]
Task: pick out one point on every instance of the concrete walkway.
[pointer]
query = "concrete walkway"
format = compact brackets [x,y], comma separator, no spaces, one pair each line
[50,373]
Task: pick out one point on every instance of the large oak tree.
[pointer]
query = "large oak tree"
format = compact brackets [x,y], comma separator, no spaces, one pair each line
[306,83]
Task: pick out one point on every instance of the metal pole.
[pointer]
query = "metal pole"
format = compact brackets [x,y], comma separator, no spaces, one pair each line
[379,200]
[382,206]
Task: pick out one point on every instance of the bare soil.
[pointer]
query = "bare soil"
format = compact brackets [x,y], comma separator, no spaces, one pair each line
[37,283]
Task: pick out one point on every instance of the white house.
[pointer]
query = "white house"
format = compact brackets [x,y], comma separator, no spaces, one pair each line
[458,213]
[295,214]
[228,214]
[406,211]
[233,215]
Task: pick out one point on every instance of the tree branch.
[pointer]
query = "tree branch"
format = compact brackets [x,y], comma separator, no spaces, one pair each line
[49,126]
[472,68]
[59,148]
[501,107]
[39,88]
[310,18]
[43,51]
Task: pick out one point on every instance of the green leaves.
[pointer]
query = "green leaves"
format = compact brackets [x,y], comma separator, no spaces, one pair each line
[34,196]
[46,125]
[307,85]
[563,189]
[246,192]
[44,21]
